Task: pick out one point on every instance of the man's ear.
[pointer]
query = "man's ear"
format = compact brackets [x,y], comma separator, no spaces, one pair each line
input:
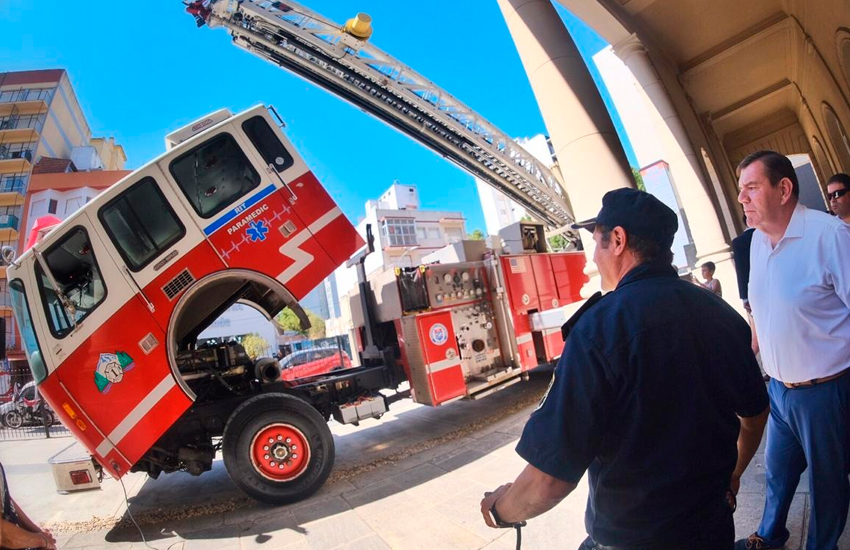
[619,239]
[787,188]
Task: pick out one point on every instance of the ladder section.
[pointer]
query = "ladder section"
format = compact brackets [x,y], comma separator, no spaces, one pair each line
[320,51]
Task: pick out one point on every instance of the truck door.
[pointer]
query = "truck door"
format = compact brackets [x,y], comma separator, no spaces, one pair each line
[108,350]
[147,230]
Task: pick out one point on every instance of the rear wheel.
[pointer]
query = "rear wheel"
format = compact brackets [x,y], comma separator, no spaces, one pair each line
[277,448]
[13,419]
[48,418]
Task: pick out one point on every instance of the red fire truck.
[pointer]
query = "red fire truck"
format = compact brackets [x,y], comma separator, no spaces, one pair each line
[111,302]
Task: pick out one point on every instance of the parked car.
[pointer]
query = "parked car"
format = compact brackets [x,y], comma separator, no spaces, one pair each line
[26,408]
[312,362]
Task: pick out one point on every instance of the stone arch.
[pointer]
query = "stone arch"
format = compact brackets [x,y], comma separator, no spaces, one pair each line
[837,136]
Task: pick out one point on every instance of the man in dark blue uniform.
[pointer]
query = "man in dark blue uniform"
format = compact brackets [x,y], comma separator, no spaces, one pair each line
[657,395]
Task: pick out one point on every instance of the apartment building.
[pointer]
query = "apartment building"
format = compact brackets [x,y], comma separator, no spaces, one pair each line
[42,124]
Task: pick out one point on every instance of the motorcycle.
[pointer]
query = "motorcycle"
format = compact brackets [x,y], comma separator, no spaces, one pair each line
[27,407]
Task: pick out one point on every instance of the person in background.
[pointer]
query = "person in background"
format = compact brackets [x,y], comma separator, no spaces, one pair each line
[838,193]
[710,283]
[657,396]
[799,293]
[17,530]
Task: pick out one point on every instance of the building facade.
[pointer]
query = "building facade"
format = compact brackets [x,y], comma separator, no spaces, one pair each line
[403,234]
[41,123]
[723,81]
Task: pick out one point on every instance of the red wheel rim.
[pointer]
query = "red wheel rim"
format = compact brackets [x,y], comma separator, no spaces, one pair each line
[280,452]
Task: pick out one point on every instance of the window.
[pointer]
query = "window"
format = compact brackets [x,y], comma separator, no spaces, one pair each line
[72,263]
[434,233]
[267,143]
[214,174]
[51,206]
[400,231]
[141,224]
[421,233]
[454,234]
[30,341]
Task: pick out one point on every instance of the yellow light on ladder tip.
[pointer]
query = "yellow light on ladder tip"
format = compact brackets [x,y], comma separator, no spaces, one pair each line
[360,26]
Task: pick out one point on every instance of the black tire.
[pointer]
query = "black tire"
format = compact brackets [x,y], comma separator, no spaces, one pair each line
[13,419]
[276,416]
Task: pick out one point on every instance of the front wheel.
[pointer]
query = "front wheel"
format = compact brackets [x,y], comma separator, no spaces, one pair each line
[13,419]
[277,448]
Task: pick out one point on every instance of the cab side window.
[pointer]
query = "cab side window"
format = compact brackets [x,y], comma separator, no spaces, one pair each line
[214,174]
[141,224]
[267,143]
[72,263]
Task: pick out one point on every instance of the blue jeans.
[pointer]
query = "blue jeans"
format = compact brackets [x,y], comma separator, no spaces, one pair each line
[808,427]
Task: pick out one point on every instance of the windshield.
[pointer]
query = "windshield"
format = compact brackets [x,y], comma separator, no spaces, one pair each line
[30,341]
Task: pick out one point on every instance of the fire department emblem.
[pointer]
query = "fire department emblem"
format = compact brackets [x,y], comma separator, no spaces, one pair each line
[110,369]
[438,334]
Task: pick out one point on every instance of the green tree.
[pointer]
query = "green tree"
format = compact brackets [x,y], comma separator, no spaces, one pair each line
[255,345]
[638,179]
[477,235]
[317,326]
[289,321]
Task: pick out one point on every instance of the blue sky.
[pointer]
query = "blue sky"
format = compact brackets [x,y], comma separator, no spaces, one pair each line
[143,70]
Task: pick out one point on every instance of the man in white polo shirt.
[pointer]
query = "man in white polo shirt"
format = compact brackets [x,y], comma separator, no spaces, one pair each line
[799,292]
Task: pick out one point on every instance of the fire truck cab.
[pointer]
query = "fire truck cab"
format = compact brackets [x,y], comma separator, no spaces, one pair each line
[111,301]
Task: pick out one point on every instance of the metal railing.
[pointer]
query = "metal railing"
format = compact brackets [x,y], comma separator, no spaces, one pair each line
[9,221]
[13,185]
[35,122]
[5,154]
[26,94]
[23,413]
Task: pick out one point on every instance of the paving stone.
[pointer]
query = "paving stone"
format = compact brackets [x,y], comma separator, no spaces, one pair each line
[92,538]
[463,457]
[381,498]
[421,528]
[751,508]
[335,531]
[320,510]
[272,533]
[464,509]
[369,542]
[222,538]
[494,441]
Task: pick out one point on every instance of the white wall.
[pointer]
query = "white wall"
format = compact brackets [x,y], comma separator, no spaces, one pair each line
[67,202]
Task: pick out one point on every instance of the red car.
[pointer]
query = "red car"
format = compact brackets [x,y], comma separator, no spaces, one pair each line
[312,362]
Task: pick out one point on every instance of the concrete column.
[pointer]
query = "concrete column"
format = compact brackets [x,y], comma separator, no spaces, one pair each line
[686,169]
[684,162]
[586,144]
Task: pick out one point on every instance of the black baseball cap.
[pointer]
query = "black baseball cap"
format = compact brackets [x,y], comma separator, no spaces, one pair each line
[639,213]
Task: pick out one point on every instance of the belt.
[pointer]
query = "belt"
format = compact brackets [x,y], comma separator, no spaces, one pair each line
[814,381]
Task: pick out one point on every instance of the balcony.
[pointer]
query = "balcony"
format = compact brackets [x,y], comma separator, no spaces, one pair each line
[12,191]
[15,161]
[8,227]
[20,129]
[24,100]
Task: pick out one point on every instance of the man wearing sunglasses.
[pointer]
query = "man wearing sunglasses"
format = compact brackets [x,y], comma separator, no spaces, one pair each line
[838,193]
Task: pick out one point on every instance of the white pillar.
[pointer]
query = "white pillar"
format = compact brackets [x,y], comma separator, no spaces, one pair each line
[680,156]
[586,144]
[686,170]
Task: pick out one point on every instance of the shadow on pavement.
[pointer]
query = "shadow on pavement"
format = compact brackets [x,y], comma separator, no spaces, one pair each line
[211,508]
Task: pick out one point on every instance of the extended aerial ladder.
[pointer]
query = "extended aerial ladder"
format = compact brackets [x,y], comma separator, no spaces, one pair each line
[341,60]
